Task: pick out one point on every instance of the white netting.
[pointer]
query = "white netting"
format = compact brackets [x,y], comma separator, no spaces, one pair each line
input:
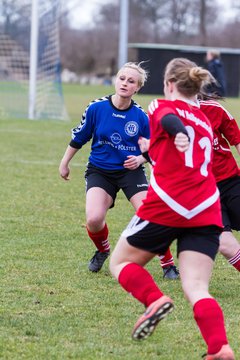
[15,61]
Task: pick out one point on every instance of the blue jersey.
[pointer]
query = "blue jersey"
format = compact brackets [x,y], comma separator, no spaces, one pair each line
[114,132]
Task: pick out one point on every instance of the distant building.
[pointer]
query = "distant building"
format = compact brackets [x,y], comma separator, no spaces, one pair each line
[158,55]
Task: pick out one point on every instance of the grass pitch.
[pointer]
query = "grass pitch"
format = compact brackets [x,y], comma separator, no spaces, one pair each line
[51,306]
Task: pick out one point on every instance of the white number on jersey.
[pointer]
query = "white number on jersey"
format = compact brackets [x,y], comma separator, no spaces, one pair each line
[205,144]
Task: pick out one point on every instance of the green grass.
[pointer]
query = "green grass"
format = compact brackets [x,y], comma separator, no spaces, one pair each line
[51,307]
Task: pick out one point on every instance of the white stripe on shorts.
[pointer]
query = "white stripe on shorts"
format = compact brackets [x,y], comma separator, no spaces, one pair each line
[133,227]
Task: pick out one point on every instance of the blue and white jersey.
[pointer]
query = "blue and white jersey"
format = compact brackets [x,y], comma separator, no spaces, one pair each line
[114,132]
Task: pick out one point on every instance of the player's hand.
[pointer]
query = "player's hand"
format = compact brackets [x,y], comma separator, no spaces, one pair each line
[143,144]
[133,162]
[64,171]
[181,142]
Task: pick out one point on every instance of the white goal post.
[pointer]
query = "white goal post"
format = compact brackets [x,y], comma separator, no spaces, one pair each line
[30,66]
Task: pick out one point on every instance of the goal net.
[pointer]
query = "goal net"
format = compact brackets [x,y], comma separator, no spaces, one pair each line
[30,67]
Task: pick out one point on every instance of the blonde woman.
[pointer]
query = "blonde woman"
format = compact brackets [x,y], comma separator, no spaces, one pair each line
[114,123]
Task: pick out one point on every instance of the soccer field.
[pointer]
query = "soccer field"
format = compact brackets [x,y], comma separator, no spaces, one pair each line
[51,306]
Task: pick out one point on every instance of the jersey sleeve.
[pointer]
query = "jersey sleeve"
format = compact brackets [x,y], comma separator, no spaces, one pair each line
[146,127]
[83,132]
[156,111]
[160,109]
[173,125]
[229,128]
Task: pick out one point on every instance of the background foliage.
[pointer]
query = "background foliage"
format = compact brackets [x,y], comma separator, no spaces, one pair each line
[93,49]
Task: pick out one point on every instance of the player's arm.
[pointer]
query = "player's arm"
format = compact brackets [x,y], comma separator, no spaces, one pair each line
[230,130]
[133,162]
[173,125]
[64,169]
[229,127]
[144,146]
[80,135]
[238,148]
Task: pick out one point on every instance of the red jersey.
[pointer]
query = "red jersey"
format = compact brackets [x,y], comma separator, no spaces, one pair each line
[226,132]
[182,190]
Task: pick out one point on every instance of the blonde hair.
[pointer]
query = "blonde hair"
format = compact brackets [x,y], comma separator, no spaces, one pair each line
[188,77]
[143,73]
[215,54]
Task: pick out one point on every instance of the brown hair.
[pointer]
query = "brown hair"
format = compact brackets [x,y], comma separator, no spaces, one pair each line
[188,77]
[203,95]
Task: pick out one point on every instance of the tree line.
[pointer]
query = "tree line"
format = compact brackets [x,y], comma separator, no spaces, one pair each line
[186,22]
[94,49]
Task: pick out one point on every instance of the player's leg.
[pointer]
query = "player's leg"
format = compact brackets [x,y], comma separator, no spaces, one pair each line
[97,204]
[100,196]
[137,199]
[230,248]
[127,266]
[170,271]
[230,200]
[196,267]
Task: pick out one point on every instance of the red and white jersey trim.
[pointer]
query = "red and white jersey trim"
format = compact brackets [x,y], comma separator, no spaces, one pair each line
[225,149]
[153,106]
[178,208]
[216,104]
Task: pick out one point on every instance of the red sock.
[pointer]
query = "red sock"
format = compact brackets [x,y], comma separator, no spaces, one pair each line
[100,239]
[210,320]
[139,283]
[166,259]
[235,261]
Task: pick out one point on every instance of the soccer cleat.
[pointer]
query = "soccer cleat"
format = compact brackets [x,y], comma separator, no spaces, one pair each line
[155,312]
[97,261]
[170,272]
[225,353]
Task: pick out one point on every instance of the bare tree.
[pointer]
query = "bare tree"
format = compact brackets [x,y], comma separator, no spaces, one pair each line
[202,22]
[147,17]
[173,21]
[14,20]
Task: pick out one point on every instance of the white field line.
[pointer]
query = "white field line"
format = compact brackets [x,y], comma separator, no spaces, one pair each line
[27,131]
[40,162]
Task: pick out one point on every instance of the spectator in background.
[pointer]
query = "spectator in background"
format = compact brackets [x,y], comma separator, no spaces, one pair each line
[216,68]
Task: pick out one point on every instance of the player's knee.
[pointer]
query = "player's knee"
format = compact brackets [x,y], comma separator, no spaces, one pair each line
[229,245]
[95,222]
